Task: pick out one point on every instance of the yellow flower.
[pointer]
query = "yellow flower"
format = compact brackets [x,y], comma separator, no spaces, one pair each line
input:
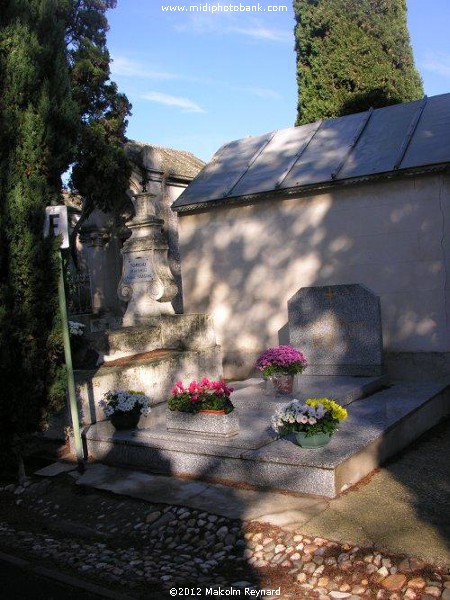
[337,411]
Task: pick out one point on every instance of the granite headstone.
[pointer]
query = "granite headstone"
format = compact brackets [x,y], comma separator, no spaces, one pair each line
[338,328]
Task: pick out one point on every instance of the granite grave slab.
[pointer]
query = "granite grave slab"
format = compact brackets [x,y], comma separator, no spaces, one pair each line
[338,328]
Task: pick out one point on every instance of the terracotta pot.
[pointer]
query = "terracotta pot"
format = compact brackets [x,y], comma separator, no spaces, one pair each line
[213,412]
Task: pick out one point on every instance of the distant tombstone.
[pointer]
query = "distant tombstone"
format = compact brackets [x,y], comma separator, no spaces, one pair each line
[338,328]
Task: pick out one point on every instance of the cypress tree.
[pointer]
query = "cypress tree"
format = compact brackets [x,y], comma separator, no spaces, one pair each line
[57,109]
[352,55]
[38,124]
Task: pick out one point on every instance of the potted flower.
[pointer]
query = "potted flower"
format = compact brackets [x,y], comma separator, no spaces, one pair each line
[83,356]
[280,364]
[77,341]
[190,408]
[204,396]
[124,408]
[313,421]
[76,329]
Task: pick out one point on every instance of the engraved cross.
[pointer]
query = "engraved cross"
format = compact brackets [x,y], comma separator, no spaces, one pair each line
[330,295]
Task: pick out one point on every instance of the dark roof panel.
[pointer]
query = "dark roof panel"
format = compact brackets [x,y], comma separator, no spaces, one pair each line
[375,142]
[219,177]
[326,151]
[272,165]
[430,144]
[380,144]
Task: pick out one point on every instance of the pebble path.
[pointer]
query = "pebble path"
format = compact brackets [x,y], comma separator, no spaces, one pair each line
[131,544]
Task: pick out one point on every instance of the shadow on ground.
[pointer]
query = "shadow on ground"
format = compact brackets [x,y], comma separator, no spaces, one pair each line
[401,508]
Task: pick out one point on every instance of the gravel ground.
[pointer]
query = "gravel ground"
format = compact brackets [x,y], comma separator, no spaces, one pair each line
[137,547]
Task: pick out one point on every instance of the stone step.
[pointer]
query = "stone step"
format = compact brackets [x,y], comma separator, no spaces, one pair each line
[344,389]
[378,426]
[177,332]
[153,373]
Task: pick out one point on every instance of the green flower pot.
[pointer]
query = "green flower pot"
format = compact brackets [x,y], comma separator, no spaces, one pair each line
[319,440]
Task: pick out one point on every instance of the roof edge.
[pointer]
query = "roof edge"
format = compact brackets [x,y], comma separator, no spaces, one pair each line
[305,190]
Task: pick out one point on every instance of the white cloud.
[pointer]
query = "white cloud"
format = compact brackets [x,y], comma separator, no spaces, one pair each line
[185,104]
[122,66]
[437,62]
[228,24]
[264,33]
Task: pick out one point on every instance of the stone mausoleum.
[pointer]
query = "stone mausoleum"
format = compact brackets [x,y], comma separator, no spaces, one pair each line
[358,200]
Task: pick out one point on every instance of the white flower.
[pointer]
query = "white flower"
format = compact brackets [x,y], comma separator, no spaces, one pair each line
[320,411]
[121,401]
[76,328]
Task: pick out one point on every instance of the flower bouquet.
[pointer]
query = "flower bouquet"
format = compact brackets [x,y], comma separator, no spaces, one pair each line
[280,364]
[77,340]
[76,329]
[205,395]
[314,421]
[281,359]
[124,408]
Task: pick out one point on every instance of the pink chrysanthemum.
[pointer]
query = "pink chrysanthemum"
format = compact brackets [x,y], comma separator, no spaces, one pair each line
[281,359]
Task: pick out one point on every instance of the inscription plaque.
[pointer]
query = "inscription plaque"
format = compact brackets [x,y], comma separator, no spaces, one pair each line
[138,269]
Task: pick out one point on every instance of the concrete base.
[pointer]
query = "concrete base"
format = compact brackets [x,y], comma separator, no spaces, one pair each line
[378,426]
[213,426]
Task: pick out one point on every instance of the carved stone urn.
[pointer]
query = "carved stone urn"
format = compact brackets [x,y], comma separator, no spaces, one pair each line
[147,283]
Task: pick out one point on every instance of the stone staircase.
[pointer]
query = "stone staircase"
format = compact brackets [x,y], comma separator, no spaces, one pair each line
[149,358]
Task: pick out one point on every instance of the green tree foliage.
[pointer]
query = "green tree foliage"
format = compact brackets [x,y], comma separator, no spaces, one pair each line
[101,170]
[57,109]
[352,55]
[38,124]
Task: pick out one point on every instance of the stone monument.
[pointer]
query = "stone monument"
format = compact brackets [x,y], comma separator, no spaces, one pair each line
[338,328]
[146,283]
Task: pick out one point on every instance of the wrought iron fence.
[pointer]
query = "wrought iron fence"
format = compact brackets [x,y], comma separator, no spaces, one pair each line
[78,291]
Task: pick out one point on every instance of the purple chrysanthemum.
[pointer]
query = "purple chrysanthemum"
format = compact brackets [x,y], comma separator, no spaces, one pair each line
[281,358]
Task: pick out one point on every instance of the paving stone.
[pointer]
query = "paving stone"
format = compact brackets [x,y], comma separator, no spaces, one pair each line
[408,565]
[394,583]
[182,546]
[417,583]
[432,590]
[446,594]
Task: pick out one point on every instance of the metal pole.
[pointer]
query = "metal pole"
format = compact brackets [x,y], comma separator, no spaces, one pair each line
[70,378]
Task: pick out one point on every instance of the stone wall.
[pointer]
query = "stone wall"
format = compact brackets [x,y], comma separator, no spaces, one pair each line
[241,264]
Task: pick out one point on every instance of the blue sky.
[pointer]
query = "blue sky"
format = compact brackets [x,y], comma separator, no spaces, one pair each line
[199,79]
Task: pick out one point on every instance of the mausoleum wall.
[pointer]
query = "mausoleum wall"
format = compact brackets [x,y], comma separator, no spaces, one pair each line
[241,264]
